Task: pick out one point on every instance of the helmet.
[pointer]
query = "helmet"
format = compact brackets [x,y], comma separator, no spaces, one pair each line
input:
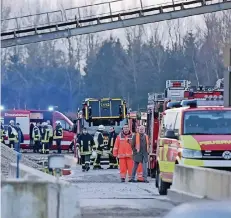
[58,122]
[11,122]
[101,127]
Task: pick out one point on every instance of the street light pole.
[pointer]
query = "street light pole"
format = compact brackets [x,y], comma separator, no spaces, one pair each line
[227,76]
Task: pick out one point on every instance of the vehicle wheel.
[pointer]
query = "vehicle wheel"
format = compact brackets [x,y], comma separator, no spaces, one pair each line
[153,173]
[162,186]
[71,148]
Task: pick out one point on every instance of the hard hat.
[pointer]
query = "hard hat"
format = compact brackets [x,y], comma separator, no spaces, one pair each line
[58,122]
[11,121]
[101,127]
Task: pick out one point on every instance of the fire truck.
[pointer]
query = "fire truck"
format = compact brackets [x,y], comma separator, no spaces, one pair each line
[105,111]
[135,119]
[27,117]
[177,90]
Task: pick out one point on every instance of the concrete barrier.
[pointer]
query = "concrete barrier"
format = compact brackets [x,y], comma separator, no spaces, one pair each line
[70,161]
[191,183]
[24,198]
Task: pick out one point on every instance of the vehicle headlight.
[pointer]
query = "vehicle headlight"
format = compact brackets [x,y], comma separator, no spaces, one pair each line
[188,153]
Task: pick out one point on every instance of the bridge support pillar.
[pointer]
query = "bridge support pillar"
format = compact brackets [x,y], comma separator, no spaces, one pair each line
[227,76]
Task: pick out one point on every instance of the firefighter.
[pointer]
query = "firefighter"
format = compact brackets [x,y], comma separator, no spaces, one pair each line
[50,134]
[20,138]
[45,138]
[99,145]
[85,143]
[113,164]
[12,134]
[123,151]
[58,136]
[3,133]
[36,136]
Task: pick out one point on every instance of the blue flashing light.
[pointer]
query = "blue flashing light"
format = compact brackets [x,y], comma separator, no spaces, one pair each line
[189,103]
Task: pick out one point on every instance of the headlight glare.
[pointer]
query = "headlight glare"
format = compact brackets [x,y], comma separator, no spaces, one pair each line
[189,153]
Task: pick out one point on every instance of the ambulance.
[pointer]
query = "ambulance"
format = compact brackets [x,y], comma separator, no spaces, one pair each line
[26,117]
[194,132]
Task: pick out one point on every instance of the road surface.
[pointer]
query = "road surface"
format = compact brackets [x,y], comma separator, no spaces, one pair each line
[103,195]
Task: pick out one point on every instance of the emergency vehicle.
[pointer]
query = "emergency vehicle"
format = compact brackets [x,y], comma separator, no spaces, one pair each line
[105,111]
[135,119]
[26,117]
[176,90]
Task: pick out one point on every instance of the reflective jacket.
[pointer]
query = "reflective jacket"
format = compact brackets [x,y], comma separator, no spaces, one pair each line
[122,147]
[50,131]
[2,133]
[12,133]
[36,133]
[58,133]
[44,134]
[99,141]
[85,143]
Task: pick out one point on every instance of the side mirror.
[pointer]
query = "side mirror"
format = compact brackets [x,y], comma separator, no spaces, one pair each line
[170,134]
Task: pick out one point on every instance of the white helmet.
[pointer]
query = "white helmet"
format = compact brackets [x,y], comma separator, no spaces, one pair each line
[11,122]
[101,127]
[58,122]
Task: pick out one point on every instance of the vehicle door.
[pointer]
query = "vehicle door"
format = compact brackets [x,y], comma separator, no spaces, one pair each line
[167,146]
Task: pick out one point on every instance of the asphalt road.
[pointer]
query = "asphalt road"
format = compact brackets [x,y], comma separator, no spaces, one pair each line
[102,195]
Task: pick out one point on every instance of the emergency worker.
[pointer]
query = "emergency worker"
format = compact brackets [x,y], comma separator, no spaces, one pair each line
[20,138]
[45,138]
[85,143]
[99,145]
[36,136]
[140,147]
[31,133]
[3,133]
[139,169]
[12,134]
[113,163]
[50,134]
[123,151]
[58,136]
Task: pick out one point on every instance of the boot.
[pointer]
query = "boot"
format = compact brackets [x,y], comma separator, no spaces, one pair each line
[122,180]
[87,167]
[110,167]
[115,167]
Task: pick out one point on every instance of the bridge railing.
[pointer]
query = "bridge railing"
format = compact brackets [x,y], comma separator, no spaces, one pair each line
[86,14]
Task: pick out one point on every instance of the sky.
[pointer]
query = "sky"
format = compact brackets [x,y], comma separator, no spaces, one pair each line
[29,7]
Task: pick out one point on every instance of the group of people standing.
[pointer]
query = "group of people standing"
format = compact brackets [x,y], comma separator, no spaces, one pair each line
[42,136]
[128,149]
[15,135]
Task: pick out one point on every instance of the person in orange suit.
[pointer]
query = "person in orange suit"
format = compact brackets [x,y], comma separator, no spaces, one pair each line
[140,167]
[123,151]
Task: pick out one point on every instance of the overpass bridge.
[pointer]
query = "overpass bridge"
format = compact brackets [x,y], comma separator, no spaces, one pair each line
[66,26]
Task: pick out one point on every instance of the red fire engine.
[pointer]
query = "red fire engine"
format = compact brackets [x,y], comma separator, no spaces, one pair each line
[177,90]
[26,117]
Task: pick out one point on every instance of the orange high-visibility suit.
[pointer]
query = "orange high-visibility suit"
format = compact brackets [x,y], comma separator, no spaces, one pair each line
[123,151]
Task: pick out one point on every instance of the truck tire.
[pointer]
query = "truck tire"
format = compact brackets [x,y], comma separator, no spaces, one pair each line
[161,185]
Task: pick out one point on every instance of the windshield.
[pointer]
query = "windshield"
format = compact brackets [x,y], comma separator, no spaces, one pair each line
[107,124]
[207,122]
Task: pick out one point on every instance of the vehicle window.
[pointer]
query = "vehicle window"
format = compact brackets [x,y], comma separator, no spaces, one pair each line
[170,119]
[65,125]
[177,124]
[162,127]
[207,122]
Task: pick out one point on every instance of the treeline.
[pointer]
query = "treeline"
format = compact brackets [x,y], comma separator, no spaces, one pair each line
[64,72]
